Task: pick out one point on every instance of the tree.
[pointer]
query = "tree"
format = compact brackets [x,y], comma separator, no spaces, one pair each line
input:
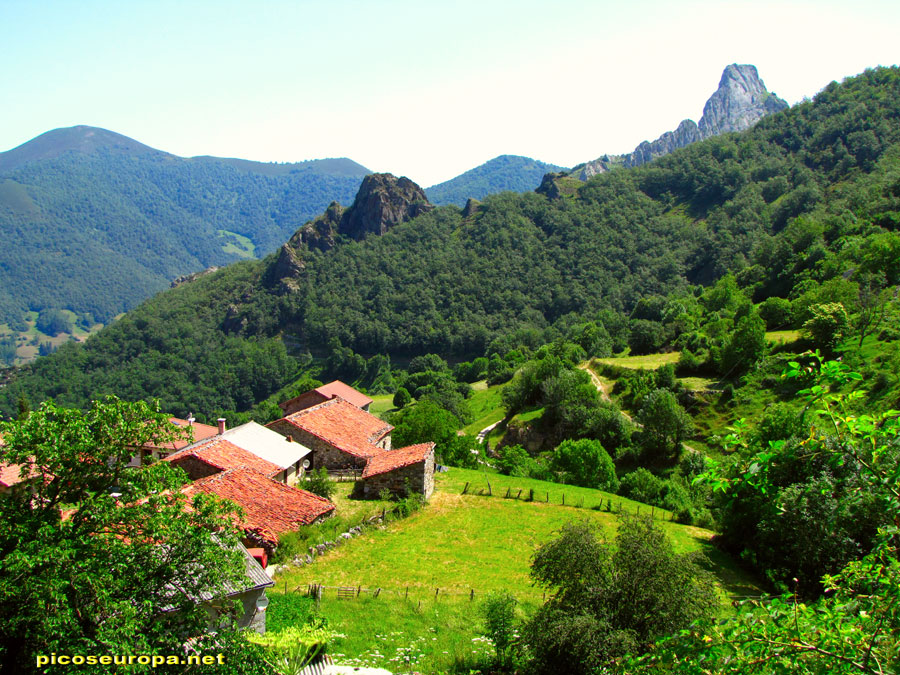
[744,346]
[665,423]
[585,463]
[402,398]
[606,602]
[319,483]
[855,627]
[92,552]
[827,325]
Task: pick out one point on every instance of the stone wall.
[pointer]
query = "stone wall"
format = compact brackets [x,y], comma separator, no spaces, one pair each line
[195,468]
[323,453]
[418,477]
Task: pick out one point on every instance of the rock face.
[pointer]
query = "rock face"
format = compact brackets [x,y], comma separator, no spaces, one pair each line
[383,200]
[740,102]
[687,132]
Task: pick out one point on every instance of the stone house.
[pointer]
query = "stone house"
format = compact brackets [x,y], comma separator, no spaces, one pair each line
[400,471]
[270,508]
[340,435]
[326,393]
[251,445]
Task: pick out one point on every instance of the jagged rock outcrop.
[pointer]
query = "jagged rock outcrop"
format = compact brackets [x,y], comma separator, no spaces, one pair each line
[740,101]
[471,207]
[383,201]
[687,132]
[187,278]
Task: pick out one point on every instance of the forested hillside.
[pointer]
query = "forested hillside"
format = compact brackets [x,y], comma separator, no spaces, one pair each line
[804,200]
[501,174]
[95,222]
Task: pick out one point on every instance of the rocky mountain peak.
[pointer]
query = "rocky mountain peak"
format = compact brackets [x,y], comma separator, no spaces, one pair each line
[740,102]
[383,201]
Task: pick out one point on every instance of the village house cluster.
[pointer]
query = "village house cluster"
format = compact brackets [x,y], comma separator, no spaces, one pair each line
[258,468]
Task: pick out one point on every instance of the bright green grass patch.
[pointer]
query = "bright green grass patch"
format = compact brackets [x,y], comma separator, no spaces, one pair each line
[382,404]
[237,244]
[427,566]
[486,404]
[648,361]
[699,383]
[782,336]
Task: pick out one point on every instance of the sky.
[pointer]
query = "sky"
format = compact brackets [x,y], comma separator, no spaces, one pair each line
[424,89]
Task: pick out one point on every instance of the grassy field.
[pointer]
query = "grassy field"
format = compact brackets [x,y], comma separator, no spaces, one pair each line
[428,565]
[647,361]
[381,404]
[28,341]
[782,336]
[486,406]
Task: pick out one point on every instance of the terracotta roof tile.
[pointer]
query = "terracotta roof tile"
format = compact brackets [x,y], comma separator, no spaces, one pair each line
[345,391]
[199,432]
[225,455]
[269,507]
[389,461]
[343,425]
[11,474]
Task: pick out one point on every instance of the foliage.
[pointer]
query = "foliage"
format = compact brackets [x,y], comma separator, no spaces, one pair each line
[506,172]
[318,483]
[514,460]
[499,612]
[855,627]
[665,425]
[585,463]
[607,602]
[827,324]
[290,650]
[402,398]
[91,551]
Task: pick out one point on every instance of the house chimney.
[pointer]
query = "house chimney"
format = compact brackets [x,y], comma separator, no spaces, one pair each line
[221,421]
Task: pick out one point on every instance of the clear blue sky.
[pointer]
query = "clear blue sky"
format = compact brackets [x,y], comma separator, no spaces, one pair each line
[423,89]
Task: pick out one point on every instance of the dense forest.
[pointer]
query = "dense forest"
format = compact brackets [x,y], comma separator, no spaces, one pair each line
[97,232]
[792,208]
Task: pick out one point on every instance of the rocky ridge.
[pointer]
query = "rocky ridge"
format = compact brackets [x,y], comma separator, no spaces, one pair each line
[382,202]
[739,102]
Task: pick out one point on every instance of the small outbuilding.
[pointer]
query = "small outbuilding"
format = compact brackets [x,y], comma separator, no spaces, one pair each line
[400,472]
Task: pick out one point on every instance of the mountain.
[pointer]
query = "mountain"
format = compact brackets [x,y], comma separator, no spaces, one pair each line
[506,172]
[740,101]
[787,214]
[95,222]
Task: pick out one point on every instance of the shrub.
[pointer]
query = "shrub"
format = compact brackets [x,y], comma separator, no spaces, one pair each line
[585,463]
[319,483]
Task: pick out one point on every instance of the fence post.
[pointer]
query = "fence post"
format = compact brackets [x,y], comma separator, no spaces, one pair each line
[358,590]
[507,493]
[436,590]
[490,492]
[548,496]
[518,493]
[407,593]
[652,512]
[466,488]
[564,499]
[531,495]
[471,594]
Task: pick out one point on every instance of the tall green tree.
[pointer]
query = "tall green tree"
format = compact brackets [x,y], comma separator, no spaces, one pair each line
[97,557]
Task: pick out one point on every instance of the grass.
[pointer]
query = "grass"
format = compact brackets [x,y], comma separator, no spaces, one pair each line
[486,405]
[782,336]
[237,244]
[382,404]
[647,361]
[699,383]
[457,544]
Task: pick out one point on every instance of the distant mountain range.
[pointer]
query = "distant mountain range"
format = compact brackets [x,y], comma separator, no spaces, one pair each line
[506,172]
[95,222]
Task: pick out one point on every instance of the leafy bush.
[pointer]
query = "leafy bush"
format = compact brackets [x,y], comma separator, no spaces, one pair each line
[319,483]
[585,463]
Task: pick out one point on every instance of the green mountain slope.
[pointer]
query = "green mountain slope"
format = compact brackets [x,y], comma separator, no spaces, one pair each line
[95,222]
[501,174]
[805,197]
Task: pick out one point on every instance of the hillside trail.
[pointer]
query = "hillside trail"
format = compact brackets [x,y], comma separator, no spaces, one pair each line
[603,393]
[484,432]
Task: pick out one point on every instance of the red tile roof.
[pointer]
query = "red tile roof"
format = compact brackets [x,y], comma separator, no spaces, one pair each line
[199,432]
[225,455]
[342,425]
[345,391]
[329,391]
[270,508]
[389,461]
[10,474]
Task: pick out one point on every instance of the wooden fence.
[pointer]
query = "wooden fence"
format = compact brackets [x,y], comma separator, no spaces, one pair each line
[611,505]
